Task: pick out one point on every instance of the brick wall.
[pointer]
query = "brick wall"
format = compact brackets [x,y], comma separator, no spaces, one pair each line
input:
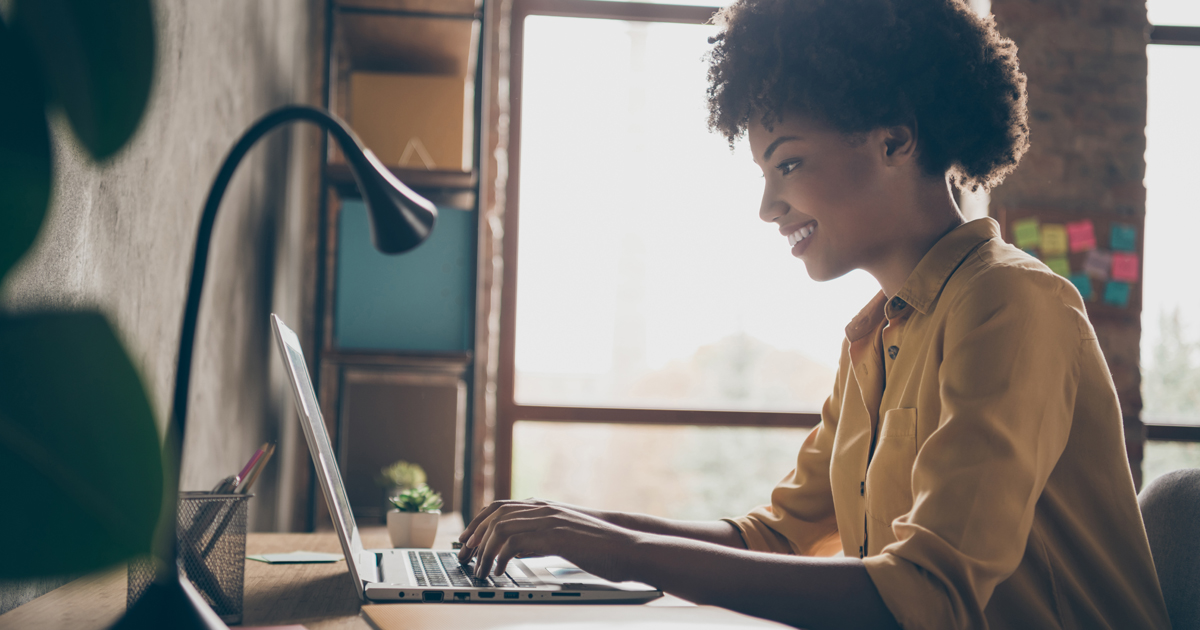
[1086,63]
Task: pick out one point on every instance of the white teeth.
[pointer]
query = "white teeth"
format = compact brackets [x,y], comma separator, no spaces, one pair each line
[800,235]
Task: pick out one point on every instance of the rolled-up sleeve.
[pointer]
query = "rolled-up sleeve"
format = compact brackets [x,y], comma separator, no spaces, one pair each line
[1008,377]
[800,518]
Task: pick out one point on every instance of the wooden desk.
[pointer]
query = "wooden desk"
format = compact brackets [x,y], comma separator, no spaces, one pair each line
[319,596]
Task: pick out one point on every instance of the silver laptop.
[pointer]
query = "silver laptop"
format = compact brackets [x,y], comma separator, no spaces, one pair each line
[427,575]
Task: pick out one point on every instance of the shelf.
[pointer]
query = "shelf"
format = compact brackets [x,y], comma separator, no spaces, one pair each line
[407,43]
[447,189]
[339,175]
[448,8]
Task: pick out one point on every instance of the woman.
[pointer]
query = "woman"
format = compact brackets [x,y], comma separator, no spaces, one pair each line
[970,461]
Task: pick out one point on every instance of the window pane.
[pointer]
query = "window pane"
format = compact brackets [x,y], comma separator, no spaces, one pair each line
[1174,12]
[1171,304]
[1164,457]
[695,473]
[645,277]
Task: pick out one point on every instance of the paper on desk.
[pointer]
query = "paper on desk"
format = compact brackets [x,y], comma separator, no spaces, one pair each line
[296,557]
[569,617]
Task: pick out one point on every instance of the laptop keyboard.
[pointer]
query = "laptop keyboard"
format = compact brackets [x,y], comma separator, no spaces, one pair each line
[443,569]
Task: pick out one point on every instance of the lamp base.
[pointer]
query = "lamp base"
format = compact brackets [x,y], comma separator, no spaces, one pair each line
[173,603]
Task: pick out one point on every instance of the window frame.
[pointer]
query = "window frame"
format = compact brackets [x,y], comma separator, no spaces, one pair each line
[1167,35]
[508,411]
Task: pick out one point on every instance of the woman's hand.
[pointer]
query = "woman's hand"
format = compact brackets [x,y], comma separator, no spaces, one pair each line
[507,529]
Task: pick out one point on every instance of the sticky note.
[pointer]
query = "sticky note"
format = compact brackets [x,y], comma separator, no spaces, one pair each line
[1123,237]
[1097,264]
[296,557]
[1059,265]
[1125,266]
[1084,284]
[1054,240]
[1026,233]
[1082,235]
[1117,294]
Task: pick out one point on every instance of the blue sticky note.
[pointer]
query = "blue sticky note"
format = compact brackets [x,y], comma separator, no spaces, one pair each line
[1083,283]
[1117,294]
[1123,237]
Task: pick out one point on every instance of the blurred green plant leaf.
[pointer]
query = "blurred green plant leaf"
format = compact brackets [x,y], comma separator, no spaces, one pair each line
[98,63]
[79,450]
[25,159]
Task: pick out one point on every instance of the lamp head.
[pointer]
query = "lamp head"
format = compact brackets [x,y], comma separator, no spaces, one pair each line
[400,218]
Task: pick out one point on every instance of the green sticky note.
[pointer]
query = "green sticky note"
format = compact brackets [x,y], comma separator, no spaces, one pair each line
[1054,239]
[1123,237]
[296,557]
[1083,283]
[1027,233]
[1059,265]
[1117,294]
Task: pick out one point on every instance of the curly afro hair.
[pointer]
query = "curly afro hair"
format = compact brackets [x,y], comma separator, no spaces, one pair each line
[857,65]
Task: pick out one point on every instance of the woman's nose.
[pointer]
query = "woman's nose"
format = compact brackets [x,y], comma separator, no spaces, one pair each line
[772,207]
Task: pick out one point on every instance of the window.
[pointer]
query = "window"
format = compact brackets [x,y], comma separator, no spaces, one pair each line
[1171,306]
[652,325]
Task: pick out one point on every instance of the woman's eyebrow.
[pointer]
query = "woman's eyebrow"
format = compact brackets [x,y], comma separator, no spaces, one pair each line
[775,145]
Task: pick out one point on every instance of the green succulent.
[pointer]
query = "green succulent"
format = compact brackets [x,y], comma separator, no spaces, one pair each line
[402,475]
[419,499]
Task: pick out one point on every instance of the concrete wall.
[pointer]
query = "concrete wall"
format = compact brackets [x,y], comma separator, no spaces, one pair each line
[120,236]
[1086,63]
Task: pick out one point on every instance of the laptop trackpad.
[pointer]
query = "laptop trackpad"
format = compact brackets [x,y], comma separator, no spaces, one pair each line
[574,575]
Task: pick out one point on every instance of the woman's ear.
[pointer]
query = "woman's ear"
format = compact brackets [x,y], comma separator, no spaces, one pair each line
[899,143]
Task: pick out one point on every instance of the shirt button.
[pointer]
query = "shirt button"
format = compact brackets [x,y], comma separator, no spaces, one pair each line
[893,351]
[898,304]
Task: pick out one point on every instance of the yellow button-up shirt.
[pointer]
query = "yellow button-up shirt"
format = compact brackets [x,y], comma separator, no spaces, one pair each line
[972,454]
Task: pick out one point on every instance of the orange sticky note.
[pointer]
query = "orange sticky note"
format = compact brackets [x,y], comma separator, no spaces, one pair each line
[1125,267]
[1054,240]
[1082,235]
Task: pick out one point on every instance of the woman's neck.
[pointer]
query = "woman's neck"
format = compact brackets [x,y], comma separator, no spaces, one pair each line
[924,214]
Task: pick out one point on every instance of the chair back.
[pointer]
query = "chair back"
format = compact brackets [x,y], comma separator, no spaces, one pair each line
[1171,510]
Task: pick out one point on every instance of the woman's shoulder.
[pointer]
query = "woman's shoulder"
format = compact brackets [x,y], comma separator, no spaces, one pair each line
[998,277]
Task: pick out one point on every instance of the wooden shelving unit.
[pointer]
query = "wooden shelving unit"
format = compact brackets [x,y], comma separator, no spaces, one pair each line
[382,404]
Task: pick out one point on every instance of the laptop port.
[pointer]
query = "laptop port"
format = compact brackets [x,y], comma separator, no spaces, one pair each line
[486,595]
[432,596]
[462,596]
[564,594]
[512,596]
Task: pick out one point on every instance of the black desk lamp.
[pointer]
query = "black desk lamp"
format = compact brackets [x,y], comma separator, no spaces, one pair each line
[400,220]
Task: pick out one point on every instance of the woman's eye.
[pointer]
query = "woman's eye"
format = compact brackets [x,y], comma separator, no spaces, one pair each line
[789,166]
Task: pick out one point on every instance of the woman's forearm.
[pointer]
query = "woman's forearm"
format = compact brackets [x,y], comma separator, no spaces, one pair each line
[808,592]
[716,532]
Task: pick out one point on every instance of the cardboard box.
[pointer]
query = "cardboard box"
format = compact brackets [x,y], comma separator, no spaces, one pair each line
[417,121]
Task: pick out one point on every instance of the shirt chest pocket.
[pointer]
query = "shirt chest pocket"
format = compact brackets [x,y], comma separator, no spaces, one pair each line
[889,476]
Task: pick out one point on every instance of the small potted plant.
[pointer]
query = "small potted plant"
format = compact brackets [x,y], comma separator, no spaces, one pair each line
[414,521]
[396,478]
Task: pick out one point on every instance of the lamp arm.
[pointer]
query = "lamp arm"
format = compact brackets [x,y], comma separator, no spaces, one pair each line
[350,146]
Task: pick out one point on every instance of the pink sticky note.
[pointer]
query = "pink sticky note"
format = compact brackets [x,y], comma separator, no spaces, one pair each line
[1082,235]
[1125,266]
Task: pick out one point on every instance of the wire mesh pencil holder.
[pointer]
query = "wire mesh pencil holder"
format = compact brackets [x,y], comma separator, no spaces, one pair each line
[212,551]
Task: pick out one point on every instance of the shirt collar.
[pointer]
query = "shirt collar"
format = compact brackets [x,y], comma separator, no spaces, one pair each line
[925,283]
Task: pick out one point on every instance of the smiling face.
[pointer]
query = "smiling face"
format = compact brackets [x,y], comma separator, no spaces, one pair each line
[831,194]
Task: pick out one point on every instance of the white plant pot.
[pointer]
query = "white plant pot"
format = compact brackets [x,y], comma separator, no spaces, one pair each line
[412,529]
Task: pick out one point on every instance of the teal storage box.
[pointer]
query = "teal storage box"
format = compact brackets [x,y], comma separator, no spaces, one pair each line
[419,301]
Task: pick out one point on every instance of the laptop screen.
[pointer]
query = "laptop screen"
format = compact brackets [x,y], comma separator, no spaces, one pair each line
[328,474]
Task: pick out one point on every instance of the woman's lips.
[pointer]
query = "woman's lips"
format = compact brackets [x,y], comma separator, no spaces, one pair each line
[801,238]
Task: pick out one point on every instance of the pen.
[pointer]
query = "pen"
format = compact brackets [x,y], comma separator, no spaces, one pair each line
[244,487]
